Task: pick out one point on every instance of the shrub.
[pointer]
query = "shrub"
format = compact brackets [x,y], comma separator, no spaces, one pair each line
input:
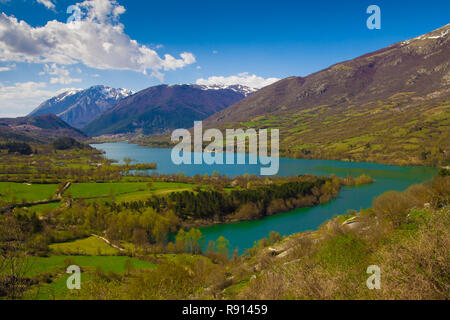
[18,147]
[444,172]
[392,205]
[363,179]
[66,143]
[440,187]
[248,211]
[416,266]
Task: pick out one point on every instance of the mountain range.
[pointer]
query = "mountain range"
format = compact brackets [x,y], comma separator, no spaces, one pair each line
[390,106]
[79,107]
[163,108]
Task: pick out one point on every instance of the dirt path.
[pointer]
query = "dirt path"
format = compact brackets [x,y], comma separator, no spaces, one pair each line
[109,243]
[60,193]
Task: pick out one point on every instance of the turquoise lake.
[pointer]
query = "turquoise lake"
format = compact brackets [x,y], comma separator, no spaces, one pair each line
[242,235]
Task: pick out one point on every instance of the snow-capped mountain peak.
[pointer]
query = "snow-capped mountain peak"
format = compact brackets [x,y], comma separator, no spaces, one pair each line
[246,91]
[66,94]
[78,107]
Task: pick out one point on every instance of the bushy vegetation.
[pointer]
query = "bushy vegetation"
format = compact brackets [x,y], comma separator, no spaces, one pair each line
[149,222]
[49,165]
[17,147]
[65,143]
[259,199]
[405,234]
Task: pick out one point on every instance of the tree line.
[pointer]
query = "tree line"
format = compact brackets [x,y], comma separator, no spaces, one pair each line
[234,204]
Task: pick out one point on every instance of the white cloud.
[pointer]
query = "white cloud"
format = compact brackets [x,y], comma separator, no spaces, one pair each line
[22,97]
[61,74]
[245,79]
[47,3]
[172,63]
[8,68]
[99,42]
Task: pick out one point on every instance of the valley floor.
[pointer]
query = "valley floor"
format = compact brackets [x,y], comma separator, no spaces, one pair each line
[118,236]
[407,239]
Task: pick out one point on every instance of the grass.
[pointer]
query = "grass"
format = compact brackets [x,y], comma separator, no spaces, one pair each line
[158,188]
[51,291]
[236,289]
[88,246]
[94,190]
[182,257]
[125,191]
[34,192]
[56,265]
[395,131]
[121,191]
[46,207]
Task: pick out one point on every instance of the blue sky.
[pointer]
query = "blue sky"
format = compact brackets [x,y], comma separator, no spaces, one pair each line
[124,43]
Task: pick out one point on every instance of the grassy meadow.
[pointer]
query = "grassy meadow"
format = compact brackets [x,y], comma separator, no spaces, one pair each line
[52,278]
[11,192]
[89,246]
[16,192]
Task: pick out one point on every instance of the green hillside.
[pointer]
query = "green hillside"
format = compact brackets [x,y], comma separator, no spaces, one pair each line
[389,106]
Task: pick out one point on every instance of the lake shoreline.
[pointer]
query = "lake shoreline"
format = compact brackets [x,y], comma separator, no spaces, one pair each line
[242,234]
[285,155]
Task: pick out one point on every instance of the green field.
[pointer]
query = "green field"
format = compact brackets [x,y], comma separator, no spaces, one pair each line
[56,265]
[88,246]
[124,191]
[158,188]
[95,190]
[11,192]
[121,191]
[107,263]
[19,191]
[46,207]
